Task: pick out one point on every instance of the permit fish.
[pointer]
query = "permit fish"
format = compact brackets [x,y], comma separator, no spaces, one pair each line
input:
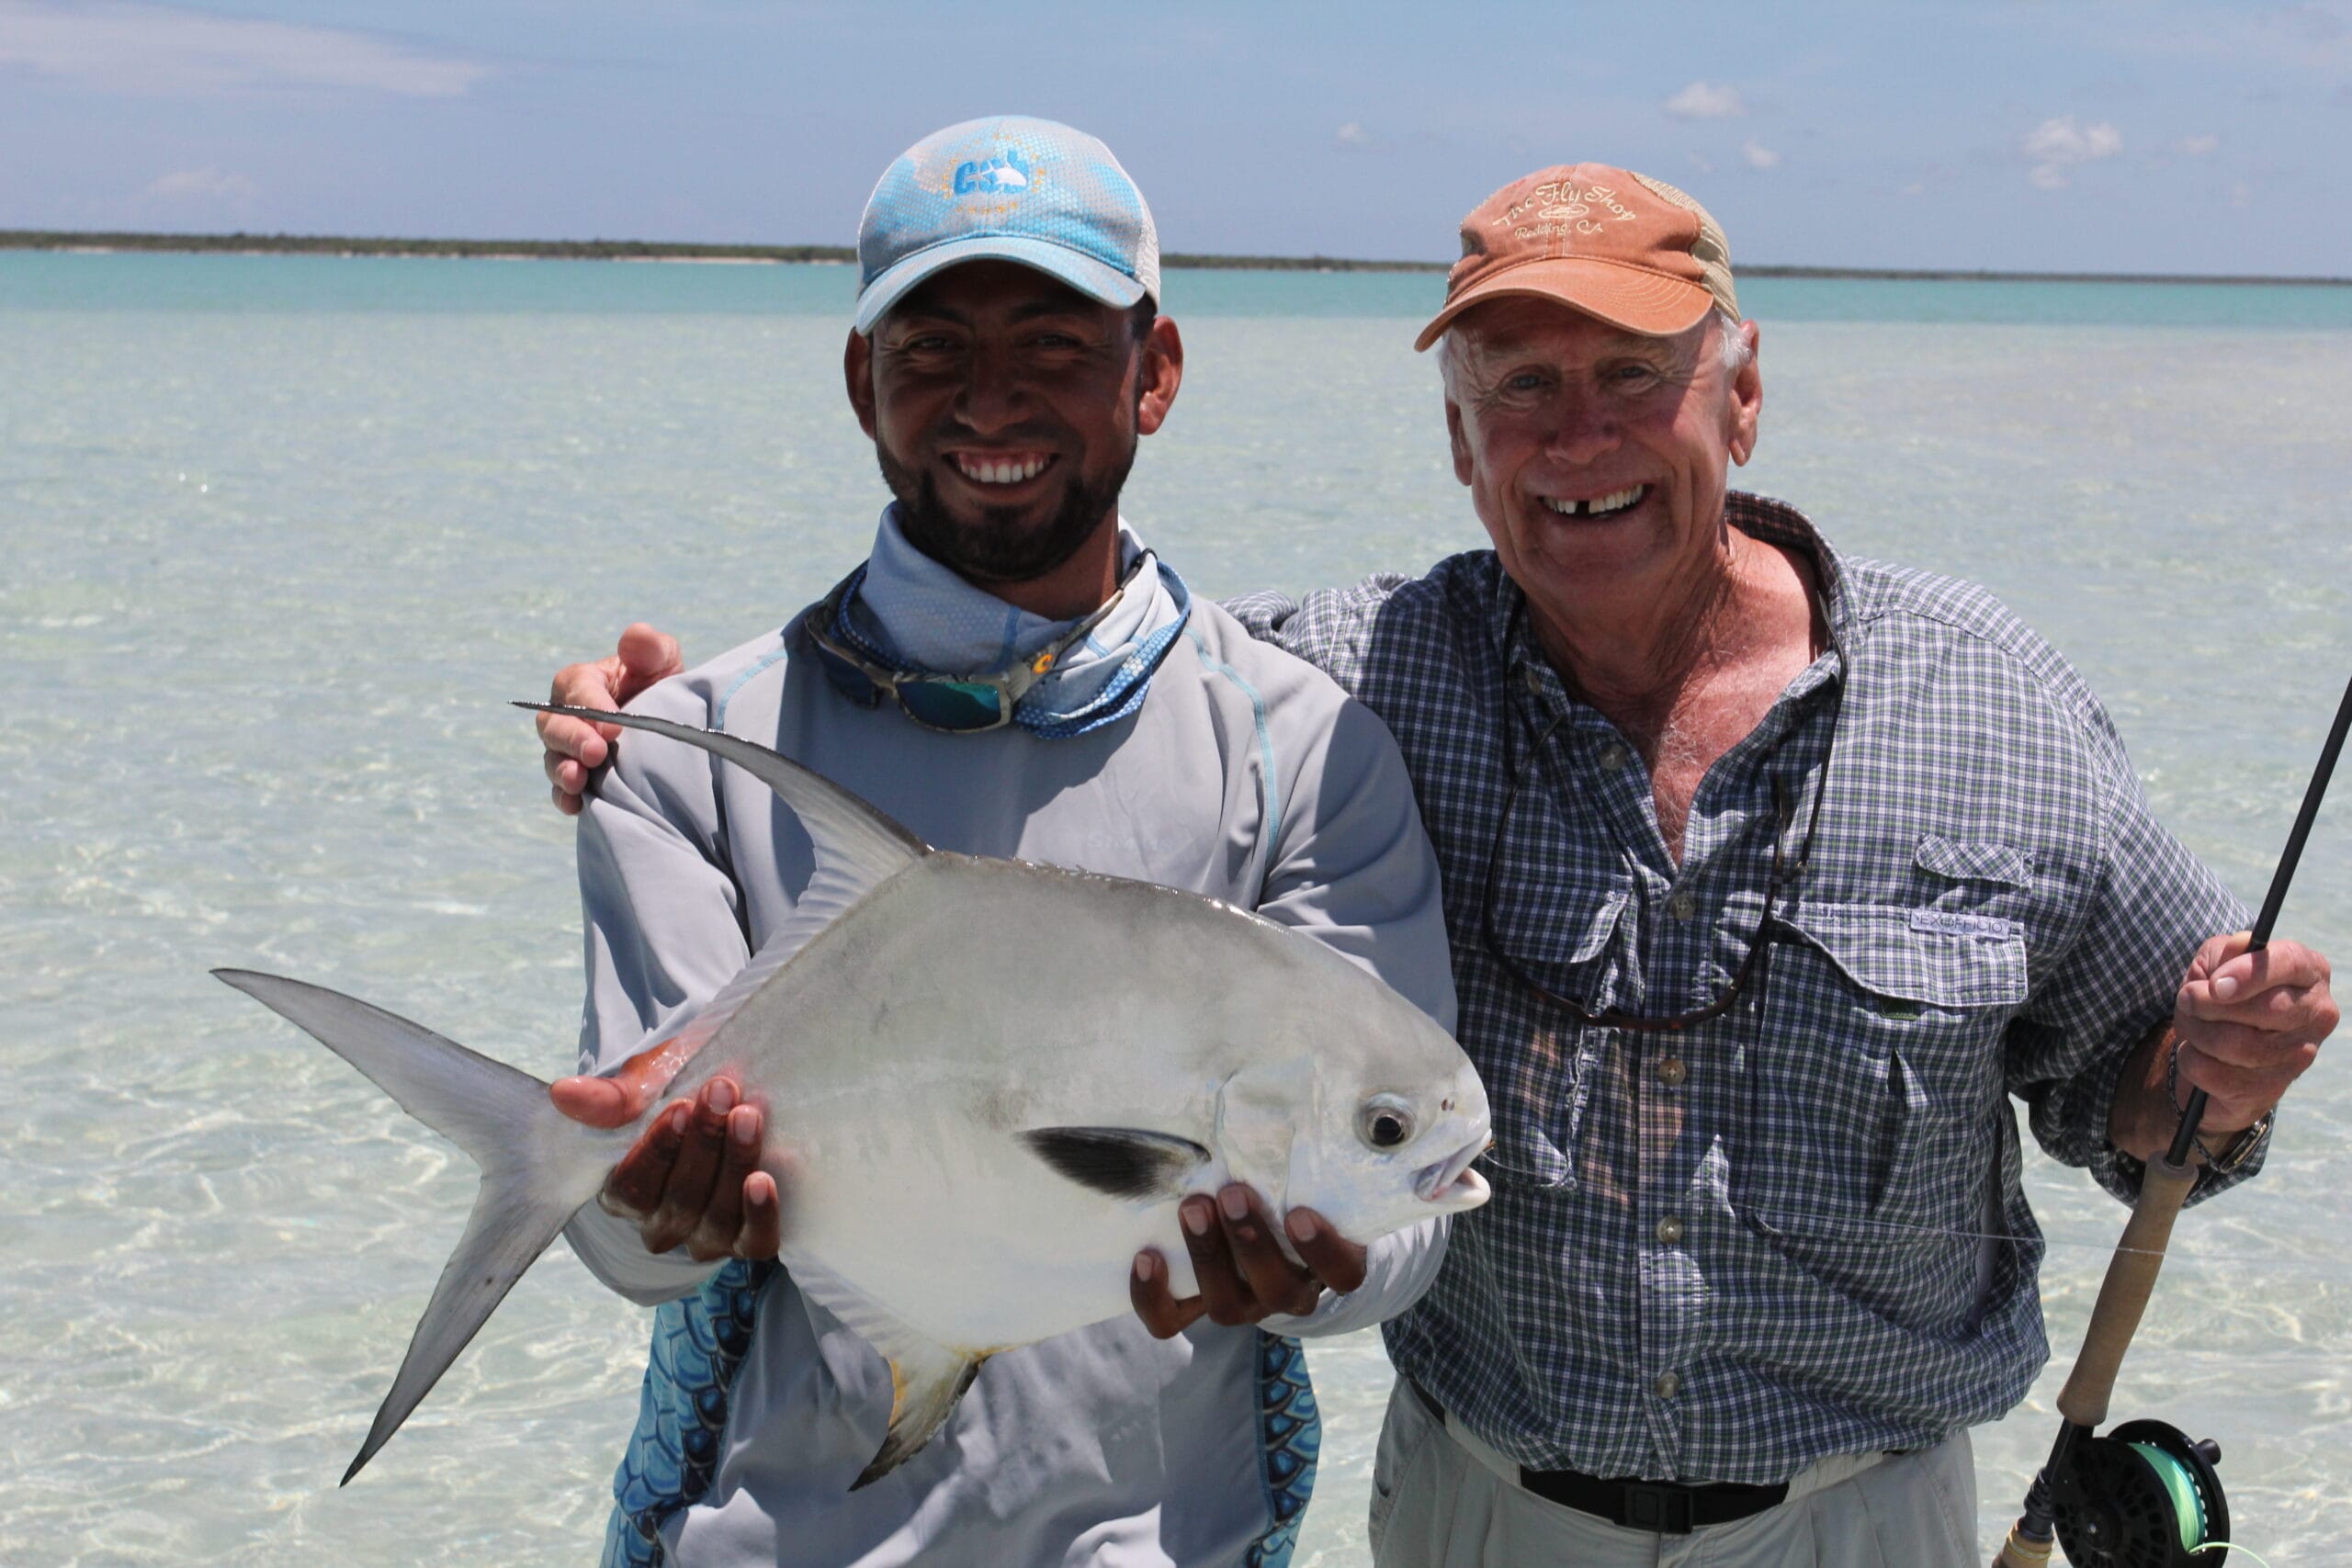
[978,1155]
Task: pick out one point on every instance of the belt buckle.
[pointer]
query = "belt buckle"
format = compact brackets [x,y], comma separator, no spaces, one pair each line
[1665,1509]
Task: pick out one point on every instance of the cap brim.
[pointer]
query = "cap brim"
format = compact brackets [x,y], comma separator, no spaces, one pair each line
[1102,283]
[1635,299]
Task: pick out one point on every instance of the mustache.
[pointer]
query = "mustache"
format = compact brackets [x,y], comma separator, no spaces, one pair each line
[953,431]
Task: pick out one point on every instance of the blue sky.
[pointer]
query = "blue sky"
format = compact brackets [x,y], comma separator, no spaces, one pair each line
[2111,135]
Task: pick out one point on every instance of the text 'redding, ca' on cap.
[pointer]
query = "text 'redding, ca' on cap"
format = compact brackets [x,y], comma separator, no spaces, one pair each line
[1007,188]
[1632,251]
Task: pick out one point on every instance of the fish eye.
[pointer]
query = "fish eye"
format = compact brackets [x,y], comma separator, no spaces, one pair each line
[1385,1122]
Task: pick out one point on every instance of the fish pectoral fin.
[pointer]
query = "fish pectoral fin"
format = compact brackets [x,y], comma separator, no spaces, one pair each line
[1121,1162]
[926,1380]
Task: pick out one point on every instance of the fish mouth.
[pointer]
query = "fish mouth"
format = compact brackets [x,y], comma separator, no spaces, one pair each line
[1450,1180]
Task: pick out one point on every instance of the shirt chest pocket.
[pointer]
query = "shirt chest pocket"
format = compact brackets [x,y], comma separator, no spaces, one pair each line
[1874,1073]
[1538,1087]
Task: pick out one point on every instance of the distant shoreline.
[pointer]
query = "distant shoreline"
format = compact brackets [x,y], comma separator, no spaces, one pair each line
[655,250]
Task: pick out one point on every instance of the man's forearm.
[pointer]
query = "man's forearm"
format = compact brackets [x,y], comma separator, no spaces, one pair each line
[2142,1117]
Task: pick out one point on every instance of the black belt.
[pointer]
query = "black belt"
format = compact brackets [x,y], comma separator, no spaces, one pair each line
[1667,1507]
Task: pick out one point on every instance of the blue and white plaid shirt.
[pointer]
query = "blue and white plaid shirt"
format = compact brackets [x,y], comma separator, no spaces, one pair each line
[1722,1254]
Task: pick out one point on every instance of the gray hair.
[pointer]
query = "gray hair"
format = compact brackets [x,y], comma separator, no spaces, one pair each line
[1731,344]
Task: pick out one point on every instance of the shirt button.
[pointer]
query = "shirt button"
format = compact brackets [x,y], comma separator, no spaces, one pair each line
[1670,1229]
[1534,680]
[1682,906]
[1673,1072]
[1613,758]
[1668,1385]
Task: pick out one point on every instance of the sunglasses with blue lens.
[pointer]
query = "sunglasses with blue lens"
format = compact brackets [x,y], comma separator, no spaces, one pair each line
[953,704]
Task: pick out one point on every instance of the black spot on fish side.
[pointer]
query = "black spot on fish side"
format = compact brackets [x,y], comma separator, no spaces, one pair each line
[1120,1162]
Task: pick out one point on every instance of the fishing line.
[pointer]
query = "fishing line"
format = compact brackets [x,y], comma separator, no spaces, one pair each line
[2180,1491]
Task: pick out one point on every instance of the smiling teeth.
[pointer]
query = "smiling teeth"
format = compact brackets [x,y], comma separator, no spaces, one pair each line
[1599,506]
[997,472]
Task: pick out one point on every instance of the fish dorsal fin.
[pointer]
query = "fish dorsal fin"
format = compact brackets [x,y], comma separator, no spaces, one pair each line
[1120,1162]
[927,1378]
[856,848]
[852,838]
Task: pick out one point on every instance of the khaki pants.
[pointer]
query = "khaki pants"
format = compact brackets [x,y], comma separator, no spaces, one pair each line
[1442,1499]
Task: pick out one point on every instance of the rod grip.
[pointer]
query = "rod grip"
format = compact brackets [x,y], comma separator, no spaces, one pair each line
[2124,1294]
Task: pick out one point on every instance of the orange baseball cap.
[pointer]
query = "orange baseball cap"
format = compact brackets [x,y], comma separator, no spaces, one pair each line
[1632,251]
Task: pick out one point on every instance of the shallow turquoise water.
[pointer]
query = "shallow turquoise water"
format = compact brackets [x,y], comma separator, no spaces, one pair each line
[282,534]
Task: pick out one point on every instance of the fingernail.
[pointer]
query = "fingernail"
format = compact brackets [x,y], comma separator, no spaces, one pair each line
[1143,1265]
[2225,988]
[1196,1218]
[1235,1202]
[1300,1226]
[678,1120]
[745,1124]
[722,1095]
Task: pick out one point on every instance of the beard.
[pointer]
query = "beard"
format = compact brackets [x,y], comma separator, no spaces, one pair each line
[1001,547]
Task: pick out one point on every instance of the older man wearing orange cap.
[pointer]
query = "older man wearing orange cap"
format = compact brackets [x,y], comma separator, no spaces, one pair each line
[1771,874]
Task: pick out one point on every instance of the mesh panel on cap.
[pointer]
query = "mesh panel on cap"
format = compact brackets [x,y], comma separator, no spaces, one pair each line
[1711,250]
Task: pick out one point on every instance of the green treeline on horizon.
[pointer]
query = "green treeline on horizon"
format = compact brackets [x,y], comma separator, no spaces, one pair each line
[583,250]
[651,249]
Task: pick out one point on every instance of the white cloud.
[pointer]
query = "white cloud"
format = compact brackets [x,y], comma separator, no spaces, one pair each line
[2056,145]
[207,184]
[1702,100]
[208,197]
[2196,146]
[1759,156]
[131,46]
[1352,135]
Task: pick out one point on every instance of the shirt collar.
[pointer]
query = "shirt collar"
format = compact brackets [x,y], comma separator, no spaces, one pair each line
[913,608]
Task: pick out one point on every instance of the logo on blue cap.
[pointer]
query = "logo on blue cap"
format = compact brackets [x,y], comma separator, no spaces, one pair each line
[1008,173]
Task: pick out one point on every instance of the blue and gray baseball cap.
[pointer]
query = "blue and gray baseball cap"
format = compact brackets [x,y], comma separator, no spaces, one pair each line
[1007,188]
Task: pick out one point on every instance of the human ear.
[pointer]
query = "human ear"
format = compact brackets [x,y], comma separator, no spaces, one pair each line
[857,374]
[1748,398]
[1458,437]
[1159,370]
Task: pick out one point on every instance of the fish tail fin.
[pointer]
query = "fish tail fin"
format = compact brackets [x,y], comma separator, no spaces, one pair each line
[537,1166]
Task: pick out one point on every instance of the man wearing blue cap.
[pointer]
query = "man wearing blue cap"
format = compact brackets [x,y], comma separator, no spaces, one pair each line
[1009,672]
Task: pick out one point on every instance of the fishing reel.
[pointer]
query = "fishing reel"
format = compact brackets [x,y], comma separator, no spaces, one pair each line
[2145,1496]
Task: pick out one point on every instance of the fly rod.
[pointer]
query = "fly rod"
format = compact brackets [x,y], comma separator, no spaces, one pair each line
[2145,1496]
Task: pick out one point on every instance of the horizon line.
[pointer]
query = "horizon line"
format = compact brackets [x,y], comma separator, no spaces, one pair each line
[243,242]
